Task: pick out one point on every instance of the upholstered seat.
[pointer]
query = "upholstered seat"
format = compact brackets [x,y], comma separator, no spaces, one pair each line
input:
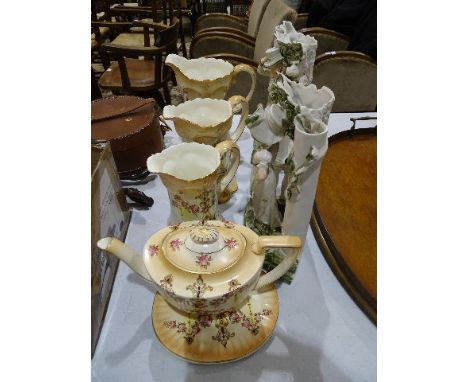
[353,78]
[160,13]
[132,39]
[220,20]
[140,73]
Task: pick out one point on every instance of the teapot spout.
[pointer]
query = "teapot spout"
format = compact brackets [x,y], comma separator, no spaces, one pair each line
[126,254]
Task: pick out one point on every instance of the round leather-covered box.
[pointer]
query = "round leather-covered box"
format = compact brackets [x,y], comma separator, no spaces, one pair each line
[131,126]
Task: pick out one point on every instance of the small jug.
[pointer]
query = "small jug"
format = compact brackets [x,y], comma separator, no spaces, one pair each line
[191,172]
[206,120]
[207,77]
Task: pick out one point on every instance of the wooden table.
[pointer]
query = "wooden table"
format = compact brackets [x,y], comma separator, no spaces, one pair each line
[344,220]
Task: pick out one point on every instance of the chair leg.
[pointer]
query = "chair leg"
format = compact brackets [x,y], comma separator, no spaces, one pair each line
[173,78]
[159,99]
[167,94]
[95,91]
[105,59]
[182,39]
[193,20]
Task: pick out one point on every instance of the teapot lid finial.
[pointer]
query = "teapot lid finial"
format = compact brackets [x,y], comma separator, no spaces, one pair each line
[204,247]
[204,235]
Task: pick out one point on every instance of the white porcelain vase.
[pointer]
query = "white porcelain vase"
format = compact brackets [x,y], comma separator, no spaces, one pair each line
[310,146]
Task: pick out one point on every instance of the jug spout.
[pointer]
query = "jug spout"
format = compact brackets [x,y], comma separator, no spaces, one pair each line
[126,254]
[185,162]
[155,163]
[175,61]
[201,69]
[170,112]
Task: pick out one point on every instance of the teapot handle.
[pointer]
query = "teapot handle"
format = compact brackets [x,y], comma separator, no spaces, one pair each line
[253,76]
[264,242]
[224,147]
[234,101]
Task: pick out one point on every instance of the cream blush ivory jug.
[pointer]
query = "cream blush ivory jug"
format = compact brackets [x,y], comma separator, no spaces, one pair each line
[194,177]
[206,267]
[206,120]
[207,77]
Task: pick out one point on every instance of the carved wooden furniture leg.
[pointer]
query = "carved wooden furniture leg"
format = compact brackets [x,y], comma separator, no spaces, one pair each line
[167,94]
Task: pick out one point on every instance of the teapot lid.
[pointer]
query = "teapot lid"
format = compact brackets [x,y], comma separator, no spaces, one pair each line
[203,248]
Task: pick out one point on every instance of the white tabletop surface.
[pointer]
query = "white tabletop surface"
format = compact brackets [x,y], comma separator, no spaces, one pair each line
[321,334]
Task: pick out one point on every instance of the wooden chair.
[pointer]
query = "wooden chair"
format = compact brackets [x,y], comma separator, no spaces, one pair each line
[245,27]
[98,34]
[130,74]
[238,49]
[352,76]
[114,28]
[328,40]
[162,12]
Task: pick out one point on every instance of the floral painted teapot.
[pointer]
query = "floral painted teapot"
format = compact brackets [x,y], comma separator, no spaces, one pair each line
[206,267]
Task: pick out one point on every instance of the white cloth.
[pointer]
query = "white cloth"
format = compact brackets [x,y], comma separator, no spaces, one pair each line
[321,335]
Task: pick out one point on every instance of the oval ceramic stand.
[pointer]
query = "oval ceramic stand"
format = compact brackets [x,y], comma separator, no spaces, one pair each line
[217,338]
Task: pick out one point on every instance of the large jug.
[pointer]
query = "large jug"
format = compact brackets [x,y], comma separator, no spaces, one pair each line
[207,120]
[207,77]
[194,176]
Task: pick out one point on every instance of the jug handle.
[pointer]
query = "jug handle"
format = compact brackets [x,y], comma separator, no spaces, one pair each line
[234,101]
[223,148]
[264,242]
[253,76]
